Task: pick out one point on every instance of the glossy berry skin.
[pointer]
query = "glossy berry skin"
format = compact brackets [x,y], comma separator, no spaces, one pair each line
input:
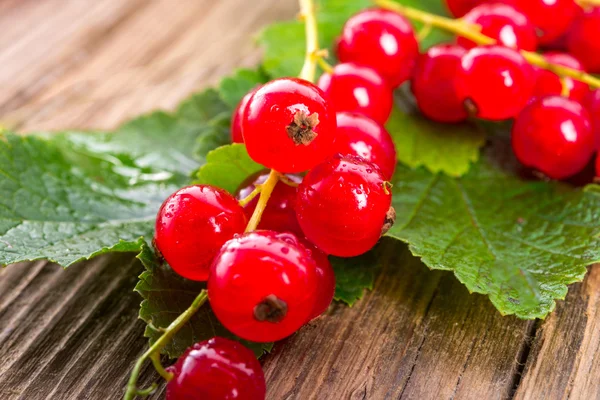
[383,40]
[288,125]
[494,82]
[344,206]
[548,83]
[216,369]
[356,88]
[433,84]
[552,18]
[325,278]
[597,166]
[582,40]
[280,213]
[458,8]
[325,274]
[262,287]
[510,27]
[553,135]
[192,225]
[236,119]
[591,103]
[360,135]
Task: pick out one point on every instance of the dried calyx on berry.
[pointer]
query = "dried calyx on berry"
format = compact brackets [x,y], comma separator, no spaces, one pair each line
[301,129]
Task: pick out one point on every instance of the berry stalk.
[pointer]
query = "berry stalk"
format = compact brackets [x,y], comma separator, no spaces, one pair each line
[460,28]
[265,193]
[154,350]
[307,14]
[311,59]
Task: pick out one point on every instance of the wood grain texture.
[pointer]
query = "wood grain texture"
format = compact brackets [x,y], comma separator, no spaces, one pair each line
[74,334]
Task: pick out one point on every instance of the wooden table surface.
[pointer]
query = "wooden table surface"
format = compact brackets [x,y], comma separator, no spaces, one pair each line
[74,334]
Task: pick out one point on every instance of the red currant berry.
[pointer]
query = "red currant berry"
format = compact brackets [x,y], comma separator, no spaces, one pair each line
[583,40]
[459,8]
[433,83]
[511,28]
[355,88]
[362,136]
[553,18]
[216,369]
[325,277]
[383,40]
[553,135]
[548,83]
[495,82]
[192,225]
[592,104]
[261,287]
[598,166]
[236,119]
[280,213]
[344,206]
[288,126]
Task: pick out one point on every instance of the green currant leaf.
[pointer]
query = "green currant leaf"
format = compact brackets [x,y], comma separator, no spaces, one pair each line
[354,275]
[285,45]
[227,167]
[71,196]
[447,148]
[521,243]
[167,295]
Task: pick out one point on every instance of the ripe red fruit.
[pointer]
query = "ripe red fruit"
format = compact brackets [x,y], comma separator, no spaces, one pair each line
[433,83]
[592,105]
[325,274]
[344,206]
[288,125]
[236,119]
[326,279]
[553,135]
[383,40]
[598,166]
[192,225]
[280,213]
[510,27]
[553,18]
[216,369]
[583,40]
[262,287]
[494,82]
[360,135]
[356,88]
[459,8]
[548,83]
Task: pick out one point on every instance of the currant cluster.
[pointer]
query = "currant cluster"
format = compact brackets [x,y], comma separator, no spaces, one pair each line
[265,258]
[263,250]
[556,128]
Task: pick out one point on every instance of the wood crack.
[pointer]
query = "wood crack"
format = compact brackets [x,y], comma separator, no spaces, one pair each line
[523,356]
[424,338]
